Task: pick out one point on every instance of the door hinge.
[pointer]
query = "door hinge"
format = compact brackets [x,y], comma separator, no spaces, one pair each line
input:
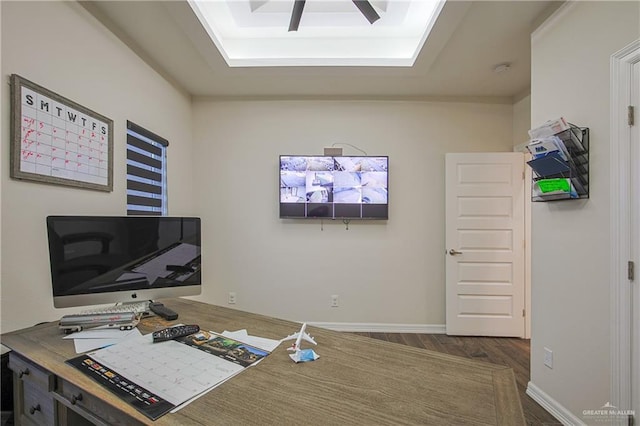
[631,270]
[630,115]
[523,313]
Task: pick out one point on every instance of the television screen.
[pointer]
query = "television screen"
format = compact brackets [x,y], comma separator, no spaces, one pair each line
[118,259]
[346,187]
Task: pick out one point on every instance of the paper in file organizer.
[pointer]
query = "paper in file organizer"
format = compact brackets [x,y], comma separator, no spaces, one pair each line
[549,165]
[549,128]
[557,188]
[545,146]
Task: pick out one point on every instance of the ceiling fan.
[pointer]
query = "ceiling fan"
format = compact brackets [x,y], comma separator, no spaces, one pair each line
[363,5]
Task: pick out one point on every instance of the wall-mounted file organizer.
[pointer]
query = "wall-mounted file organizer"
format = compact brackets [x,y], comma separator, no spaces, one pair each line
[560,165]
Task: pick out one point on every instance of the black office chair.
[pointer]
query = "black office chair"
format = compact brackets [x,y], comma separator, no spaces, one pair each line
[86,255]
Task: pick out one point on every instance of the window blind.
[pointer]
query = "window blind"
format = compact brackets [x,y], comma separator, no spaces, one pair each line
[146,172]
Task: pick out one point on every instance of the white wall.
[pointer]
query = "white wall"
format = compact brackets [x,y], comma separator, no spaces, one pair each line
[521,120]
[61,47]
[223,167]
[570,242]
[384,272]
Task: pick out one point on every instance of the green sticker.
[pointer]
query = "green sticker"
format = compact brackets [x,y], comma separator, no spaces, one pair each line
[550,185]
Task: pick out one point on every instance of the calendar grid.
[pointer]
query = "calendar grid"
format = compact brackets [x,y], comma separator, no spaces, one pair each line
[157,377]
[176,373]
[58,141]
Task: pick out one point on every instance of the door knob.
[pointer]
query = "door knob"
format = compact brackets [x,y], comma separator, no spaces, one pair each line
[453,252]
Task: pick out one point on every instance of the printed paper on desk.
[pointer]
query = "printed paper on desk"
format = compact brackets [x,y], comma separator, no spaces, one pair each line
[174,371]
[259,342]
[83,345]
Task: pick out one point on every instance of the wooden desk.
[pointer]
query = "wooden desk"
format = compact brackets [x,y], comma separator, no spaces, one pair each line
[357,380]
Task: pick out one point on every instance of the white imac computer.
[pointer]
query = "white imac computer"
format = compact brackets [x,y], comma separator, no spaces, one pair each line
[123,259]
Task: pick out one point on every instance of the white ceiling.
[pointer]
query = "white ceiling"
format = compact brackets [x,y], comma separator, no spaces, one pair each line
[327,33]
[469,39]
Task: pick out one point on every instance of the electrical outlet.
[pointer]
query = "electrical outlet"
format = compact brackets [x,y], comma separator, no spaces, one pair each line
[334,301]
[548,357]
[232,298]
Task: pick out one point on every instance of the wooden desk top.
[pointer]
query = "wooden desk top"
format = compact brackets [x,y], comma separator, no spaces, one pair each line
[356,380]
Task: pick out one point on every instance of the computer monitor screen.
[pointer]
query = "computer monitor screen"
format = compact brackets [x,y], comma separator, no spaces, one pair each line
[112,259]
[329,187]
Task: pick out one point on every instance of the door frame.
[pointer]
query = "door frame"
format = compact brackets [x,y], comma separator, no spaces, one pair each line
[528,177]
[621,241]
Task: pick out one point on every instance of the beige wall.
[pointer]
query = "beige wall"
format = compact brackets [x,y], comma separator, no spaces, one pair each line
[223,167]
[384,272]
[521,120]
[61,47]
[570,240]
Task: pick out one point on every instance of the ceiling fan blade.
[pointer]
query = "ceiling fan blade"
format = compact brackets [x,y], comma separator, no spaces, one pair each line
[298,7]
[367,10]
[257,4]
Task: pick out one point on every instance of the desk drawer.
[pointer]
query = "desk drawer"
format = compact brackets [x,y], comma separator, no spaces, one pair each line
[38,407]
[28,372]
[90,407]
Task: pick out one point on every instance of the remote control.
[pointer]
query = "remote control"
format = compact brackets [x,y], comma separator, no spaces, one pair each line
[161,310]
[174,332]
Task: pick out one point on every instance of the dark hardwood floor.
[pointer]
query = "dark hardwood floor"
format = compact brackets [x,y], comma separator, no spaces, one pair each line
[503,351]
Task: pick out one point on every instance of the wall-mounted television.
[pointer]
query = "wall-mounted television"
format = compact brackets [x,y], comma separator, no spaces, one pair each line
[345,187]
[119,259]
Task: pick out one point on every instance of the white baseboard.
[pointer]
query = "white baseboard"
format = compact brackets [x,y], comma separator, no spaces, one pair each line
[382,328]
[554,408]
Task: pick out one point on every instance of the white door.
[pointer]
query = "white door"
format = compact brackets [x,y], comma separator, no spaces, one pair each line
[485,244]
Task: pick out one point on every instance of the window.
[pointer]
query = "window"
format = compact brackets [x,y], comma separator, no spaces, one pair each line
[146,172]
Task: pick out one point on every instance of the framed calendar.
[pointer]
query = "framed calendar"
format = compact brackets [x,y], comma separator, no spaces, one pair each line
[55,140]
